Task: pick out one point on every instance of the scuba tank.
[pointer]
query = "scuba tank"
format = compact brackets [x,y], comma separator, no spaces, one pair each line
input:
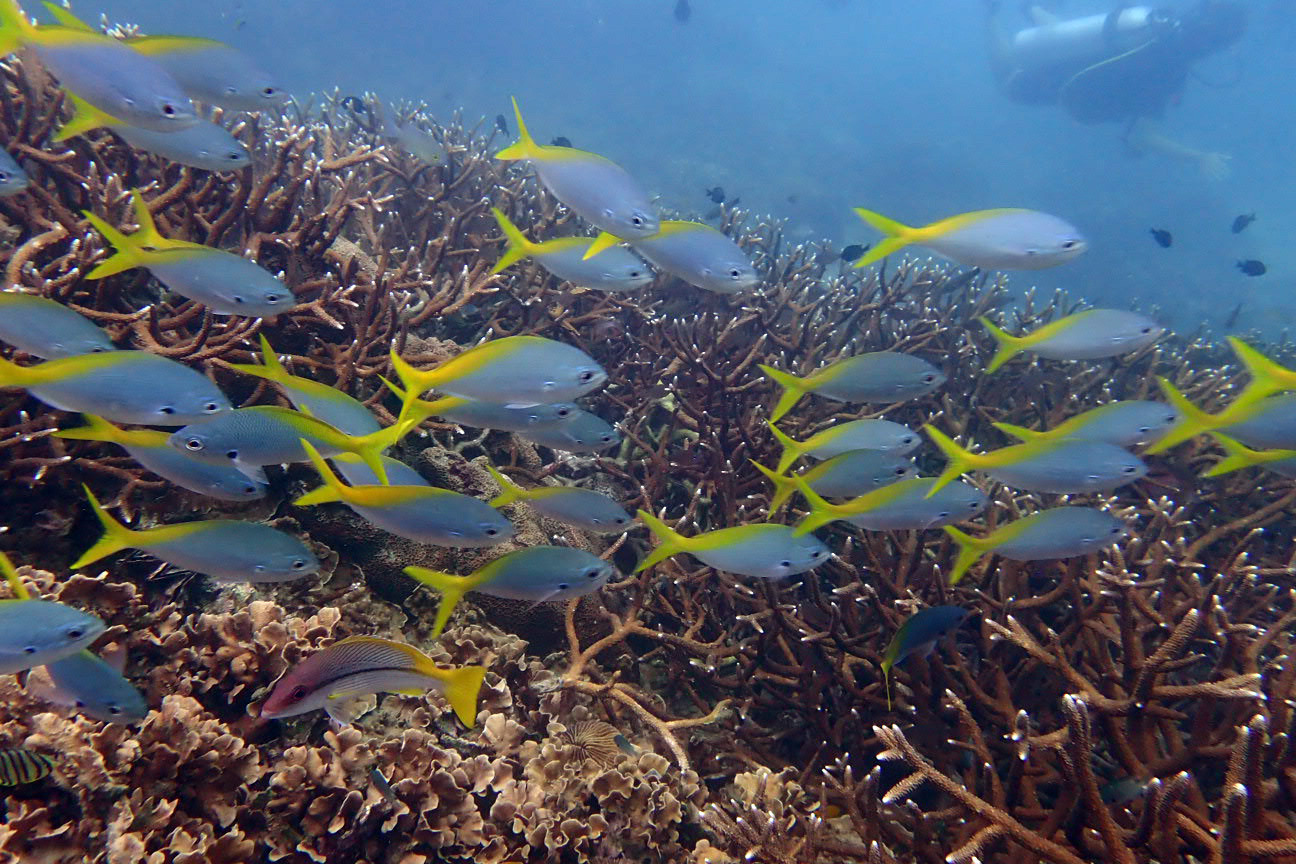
[1081,40]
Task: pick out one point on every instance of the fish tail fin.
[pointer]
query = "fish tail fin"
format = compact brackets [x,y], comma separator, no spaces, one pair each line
[960,460]
[898,236]
[519,246]
[886,680]
[1267,376]
[11,374]
[510,492]
[784,485]
[526,147]
[116,536]
[452,588]
[415,381]
[148,234]
[1195,421]
[10,572]
[1238,456]
[970,549]
[85,117]
[15,29]
[333,488]
[65,17]
[269,368]
[96,428]
[821,512]
[461,688]
[1008,345]
[371,447]
[605,240]
[791,449]
[793,389]
[1021,433]
[127,254]
[672,542]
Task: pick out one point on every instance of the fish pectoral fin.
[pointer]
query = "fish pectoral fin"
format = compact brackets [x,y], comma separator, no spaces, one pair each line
[342,708]
[255,473]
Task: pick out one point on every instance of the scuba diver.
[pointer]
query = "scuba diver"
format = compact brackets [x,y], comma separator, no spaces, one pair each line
[1124,66]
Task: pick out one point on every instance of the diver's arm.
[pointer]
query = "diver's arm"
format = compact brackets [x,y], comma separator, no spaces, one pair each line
[1144,137]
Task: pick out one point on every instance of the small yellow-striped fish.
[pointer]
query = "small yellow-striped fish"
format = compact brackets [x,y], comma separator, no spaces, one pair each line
[20,766]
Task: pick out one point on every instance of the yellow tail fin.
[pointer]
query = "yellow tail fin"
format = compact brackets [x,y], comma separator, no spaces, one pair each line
[1195,421]
[784,485]
[510,492]
[670,542]
[451,587]
[519,246]
[1009,345]
[85,117]
[65,17]
[10,572]
[116,536]
[15,29]
[1240,456]
[461,688]
[270,368]
[793,389]
[333,488]
[526,147]
[960,462]
[792,450]
[127,256]
[970,549]
[98,429]
[898,236]
[821,512]
[1267,377]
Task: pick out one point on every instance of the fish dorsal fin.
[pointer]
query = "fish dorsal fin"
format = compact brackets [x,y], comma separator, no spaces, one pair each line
[148,237]
[11,576]
[65,18]
[605,240]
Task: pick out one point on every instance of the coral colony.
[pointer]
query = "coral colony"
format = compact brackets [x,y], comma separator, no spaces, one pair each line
[1129,705]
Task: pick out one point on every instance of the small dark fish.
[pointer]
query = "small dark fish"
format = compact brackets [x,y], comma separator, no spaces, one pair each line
[501,123]
[1252,267]
[683,11]
[853,252]
[1241,222]
[561,141]
[716,194]
[20,766]
[1122,791]
[383,785]
[1162,237]
[1232,319]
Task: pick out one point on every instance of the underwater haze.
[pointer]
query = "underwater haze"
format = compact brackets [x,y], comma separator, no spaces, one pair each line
[804,110]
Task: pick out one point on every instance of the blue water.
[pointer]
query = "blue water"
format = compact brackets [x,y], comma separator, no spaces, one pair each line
[806,109]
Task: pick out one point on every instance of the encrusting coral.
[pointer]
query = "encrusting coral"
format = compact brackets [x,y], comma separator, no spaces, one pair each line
[1134,706]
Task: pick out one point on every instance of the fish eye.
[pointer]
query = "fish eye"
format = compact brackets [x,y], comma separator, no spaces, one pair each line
[260,568]
[974,506]
[168,109]
[1129,469]
[491,532]
[298,692]
[620,520]
[75,633]
[563,412]
[193,444]
[30,649]
[114,710]
[586,376]
[901,471]
[231,454]
[79,704]
[816,553]
[166,410]
[1171,418]
[607,439]
[267,91]
[928,378]
[785,564]
[1146,330]
[636,220]
[211,407]
[634,274]
[97,350]
[1116,529]
[233,157]
[298,564]
[272,298]
[4,175]
[908,439]
[593,572]
[563,586]
[249,489]
[944,514]
[1068,244]
[735,273]
[1143,430]
[237,299]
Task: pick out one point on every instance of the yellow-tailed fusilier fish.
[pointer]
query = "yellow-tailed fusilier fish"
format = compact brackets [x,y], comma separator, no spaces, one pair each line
[151,448]
[856,435]
[583,432]
[1266,423]
[20,766]
[918,635]
[613,270]
[123,386]
[107,73]
[47,329]
[1064,466]
[515,370]
[1267,376]
[357,473]
[1060,532]
[313,397]
[221,548]
[584,508]
[408,137]
[901,506]
[882,376]
[597,189]
[261,435]
[92,685]
[34,632]
[1003,239]
[1238,456]
[422,513]
[332,679]
[1093,334]
[693,251]
[13,179]
[1127,423]
[225,283]
[202,145]
[486,415]
[762,551]
[205,69]
[537,574]
[855,472]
